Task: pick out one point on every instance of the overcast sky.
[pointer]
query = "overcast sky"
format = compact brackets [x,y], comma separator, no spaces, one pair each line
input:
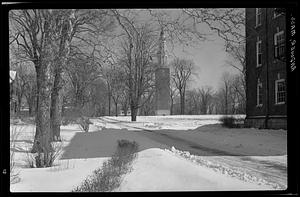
[210,60]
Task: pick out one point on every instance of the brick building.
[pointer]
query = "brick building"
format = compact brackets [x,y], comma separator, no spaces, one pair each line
[266,68]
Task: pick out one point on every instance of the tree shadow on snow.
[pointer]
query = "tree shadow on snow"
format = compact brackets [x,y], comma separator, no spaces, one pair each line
[216,140]
[103,143]
[207,140]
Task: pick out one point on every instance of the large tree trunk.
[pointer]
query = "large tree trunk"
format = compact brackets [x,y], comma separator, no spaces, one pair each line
[171,108]
[133,113]
[226,103]
[182,104]
[109,102]
[55,114]
[125,111]
[56,96]
[133,108]
[42,141]
[116,104]
[56,103]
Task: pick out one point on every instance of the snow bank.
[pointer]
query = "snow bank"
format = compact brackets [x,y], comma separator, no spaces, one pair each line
[160,170]
[235,172]
[63,177]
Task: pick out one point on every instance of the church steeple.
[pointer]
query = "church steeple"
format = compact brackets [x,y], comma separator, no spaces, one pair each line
[161,54]
[162,79]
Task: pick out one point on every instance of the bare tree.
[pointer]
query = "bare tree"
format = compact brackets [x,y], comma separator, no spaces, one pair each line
[124,101]
[238,93]
[227,23]
[140,71]
[230,97]
[237,53]
[65,24]
[76,27]
[109,76]
[43,36]
[180,74]
[115,77]
[26,86]
[137,48]
[198,100]
[189,27]
[192,102]
[149,105]
[205,96]
[36,31]
[82,73]
[173,94]
[30,93]
[21,83]
[225,91]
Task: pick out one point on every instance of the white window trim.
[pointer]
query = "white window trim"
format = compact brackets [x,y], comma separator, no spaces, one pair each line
[256,17]
[259,84]
[275,40]
[276,90]
[257,43]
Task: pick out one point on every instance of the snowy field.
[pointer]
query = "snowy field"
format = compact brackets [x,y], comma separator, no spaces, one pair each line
[176,122]
[157,167]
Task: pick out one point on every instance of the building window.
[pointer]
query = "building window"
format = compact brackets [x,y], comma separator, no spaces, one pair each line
[258,53]
[259,94]
[258,17]
[279,45]
[280,91]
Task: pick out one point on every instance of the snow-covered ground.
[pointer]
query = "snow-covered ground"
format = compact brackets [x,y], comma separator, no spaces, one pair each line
[157,167]
[176,122]
[260,155]
[160,170]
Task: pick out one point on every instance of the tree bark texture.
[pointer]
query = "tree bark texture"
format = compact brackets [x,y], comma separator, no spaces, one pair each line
[60,61]
[42,141]
[133,113]
[109,97]
[182,103]
[171,108]
[56,114]
[116,105]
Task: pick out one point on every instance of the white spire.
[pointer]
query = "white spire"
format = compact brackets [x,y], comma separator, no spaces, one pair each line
[162,57]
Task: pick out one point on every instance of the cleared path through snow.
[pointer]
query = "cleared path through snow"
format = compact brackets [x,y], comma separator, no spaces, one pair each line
[253,152]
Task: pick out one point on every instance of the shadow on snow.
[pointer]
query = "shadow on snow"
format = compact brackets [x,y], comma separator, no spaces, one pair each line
[102,143]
